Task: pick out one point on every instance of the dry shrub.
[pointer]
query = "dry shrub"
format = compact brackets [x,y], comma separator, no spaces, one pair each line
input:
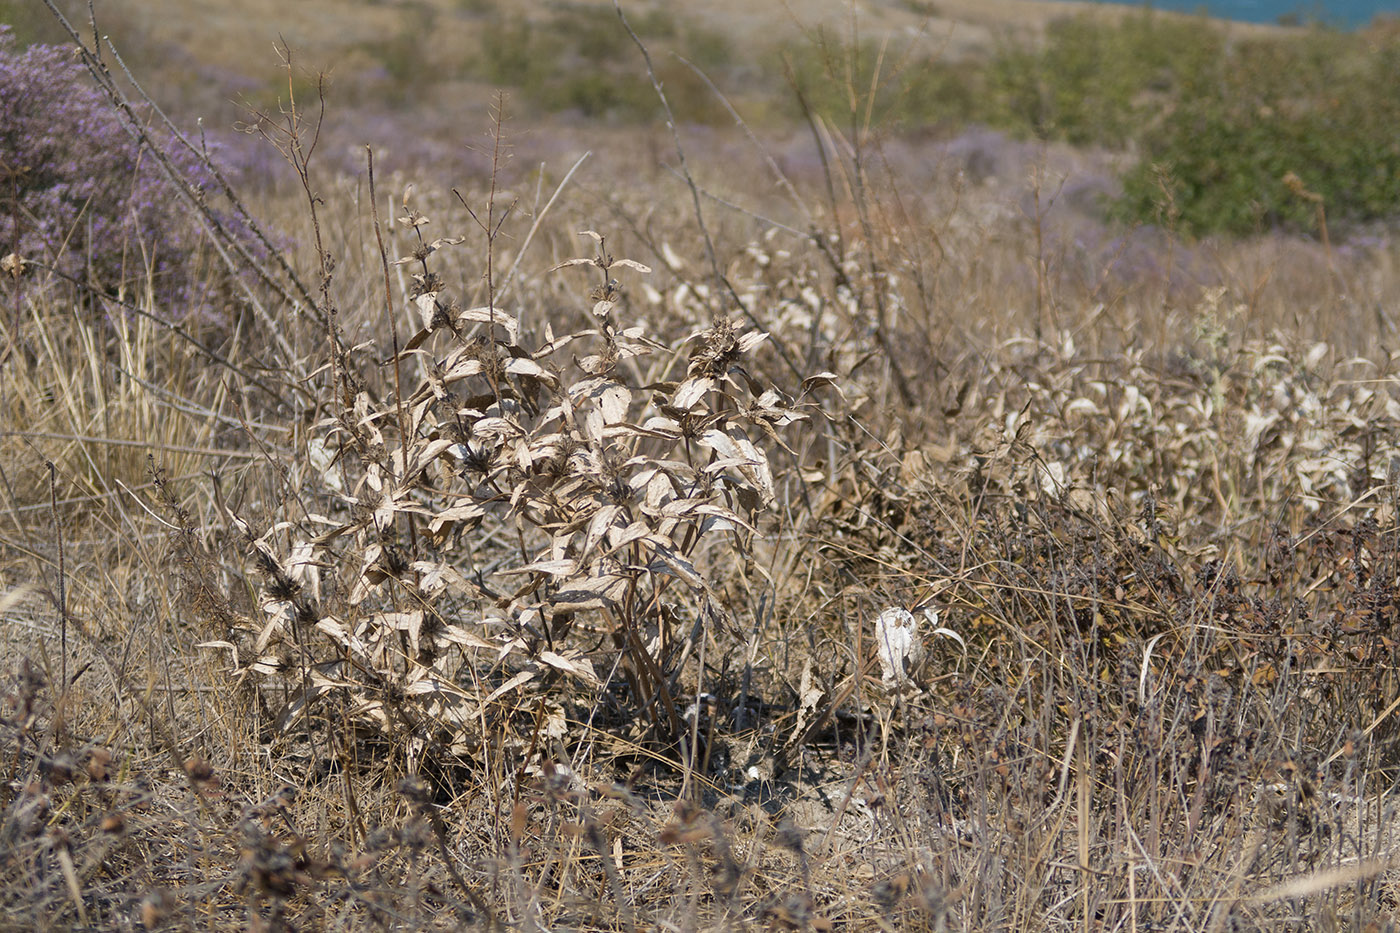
[514,511]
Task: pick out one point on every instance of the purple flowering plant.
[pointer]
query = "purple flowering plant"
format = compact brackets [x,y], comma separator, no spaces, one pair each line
[83,201]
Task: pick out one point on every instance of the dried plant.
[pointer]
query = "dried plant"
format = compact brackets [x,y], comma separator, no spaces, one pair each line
[539,500]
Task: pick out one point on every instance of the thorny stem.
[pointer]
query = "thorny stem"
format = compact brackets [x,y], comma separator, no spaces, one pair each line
[492,226]
[299,154]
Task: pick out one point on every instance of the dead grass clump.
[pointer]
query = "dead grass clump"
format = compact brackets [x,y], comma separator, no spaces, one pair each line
[1162,584]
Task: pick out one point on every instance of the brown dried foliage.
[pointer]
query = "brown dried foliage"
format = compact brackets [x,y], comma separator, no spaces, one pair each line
[544,625]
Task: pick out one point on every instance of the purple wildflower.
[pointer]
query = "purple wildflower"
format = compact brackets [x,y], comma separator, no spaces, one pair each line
[81,197]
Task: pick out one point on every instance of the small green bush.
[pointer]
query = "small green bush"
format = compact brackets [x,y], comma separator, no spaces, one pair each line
[655,24]
[1219,123]
[1321,107]
[583,60]
[891,86]
[29,23]
[516,55]
[600,94]
[1098,83]
[707,48]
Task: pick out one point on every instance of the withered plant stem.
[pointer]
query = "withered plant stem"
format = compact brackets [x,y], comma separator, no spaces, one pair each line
[721,280]
[62,578]
[389,313]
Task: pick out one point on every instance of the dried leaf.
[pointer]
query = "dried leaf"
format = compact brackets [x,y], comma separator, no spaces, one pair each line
[575,664]
[490,315]
[572,262]
[691,391]
[898,645]
[523,366]
[523,677]
[750,340]
[562,567]
[427,309]
[594,593]
[614,402]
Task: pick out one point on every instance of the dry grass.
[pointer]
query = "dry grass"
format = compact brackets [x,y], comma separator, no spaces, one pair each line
[524,601]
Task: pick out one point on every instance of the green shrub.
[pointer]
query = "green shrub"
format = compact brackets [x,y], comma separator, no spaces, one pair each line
[29,23]
[708,49]
[582,59]
[654,24]
[889,86]
[1321,107]
[1220,123]
[592,34]
[1097,83]
[402,55]
[515,54]
[600,94]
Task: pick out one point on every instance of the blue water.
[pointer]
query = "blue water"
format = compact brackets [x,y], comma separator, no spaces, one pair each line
[1340,14]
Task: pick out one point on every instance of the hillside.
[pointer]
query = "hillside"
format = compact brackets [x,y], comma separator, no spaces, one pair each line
[210,48]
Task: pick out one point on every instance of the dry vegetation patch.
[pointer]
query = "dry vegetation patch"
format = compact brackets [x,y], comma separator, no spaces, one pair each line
[556,552]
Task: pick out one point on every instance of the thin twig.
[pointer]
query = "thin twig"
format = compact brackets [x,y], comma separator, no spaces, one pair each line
[62,575]
[720,278]
[535,226]
[389,312]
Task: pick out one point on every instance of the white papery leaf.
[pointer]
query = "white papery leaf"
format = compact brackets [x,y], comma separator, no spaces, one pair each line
[614,403]
[692,391]
[522,678]
[410,623]
[572,262]
[556,568]
[899,646]
[751,340]
[322,460]
[384,513]
[593,593]
[621,537]
[427,308]
[599,525]
[932,616]
[524,366]
[809,695]
[491,316]
[574,664]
